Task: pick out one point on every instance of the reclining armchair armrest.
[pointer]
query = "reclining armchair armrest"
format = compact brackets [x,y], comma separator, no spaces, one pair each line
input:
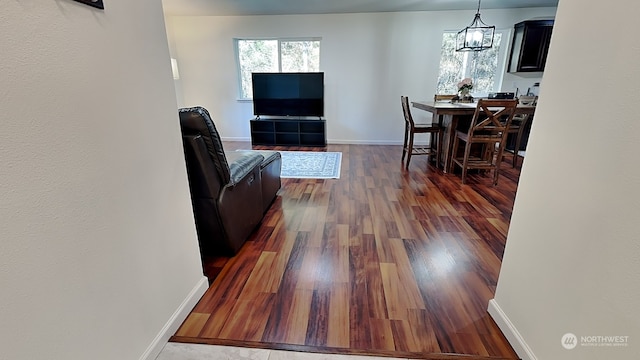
[242,164]
[240,201]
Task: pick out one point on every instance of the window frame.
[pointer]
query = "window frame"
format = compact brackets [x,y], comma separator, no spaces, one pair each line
[279,40]
[501,66]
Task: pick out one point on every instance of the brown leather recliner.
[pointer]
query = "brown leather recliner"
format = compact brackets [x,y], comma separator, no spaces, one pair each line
[226,187]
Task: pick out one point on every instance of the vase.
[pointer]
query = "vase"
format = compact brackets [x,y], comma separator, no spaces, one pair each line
[464,95]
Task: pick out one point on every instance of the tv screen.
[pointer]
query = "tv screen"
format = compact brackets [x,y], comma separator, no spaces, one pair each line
[288,94]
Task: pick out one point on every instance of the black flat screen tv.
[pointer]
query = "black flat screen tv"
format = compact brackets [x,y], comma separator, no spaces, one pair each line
[288,94]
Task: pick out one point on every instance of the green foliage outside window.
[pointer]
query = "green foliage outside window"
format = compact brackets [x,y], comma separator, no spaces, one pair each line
[300,56]
[256,56]
[274,55]
[480,66]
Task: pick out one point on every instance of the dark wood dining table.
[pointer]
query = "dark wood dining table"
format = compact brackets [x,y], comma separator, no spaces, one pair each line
[449,114]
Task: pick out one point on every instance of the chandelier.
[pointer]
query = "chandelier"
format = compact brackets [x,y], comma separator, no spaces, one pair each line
[477,36]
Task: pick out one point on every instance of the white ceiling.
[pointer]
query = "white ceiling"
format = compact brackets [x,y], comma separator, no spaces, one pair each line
[282,7]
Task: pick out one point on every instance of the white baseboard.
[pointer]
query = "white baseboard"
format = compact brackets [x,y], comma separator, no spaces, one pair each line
[512,334]
[332,141]
[176,320]
[364,142]
[227,138]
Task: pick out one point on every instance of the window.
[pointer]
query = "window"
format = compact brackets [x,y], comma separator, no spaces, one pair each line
[275,55]
[483,67]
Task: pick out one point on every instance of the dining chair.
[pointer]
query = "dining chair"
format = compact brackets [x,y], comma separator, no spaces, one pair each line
[440,118]
[444,97]
[488,131]
[519,123]
[435,130]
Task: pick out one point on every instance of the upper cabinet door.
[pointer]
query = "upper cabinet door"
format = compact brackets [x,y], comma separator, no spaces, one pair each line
[530,45]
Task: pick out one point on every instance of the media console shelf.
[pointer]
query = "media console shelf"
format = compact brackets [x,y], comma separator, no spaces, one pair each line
[288,132]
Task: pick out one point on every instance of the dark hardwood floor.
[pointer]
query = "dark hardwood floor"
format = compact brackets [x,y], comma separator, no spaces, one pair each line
[382,261]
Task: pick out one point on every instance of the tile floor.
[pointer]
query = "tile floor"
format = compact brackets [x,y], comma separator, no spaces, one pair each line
[179,351]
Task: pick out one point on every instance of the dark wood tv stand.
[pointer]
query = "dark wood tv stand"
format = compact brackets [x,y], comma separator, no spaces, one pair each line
[288,131]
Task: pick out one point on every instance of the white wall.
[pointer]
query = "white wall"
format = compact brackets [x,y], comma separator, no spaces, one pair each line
[99,249]
[369,60]
[572,260]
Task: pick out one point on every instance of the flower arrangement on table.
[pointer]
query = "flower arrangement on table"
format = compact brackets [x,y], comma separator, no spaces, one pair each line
[464,87]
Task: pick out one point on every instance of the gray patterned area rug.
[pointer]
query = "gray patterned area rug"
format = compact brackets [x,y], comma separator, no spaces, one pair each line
[311,164]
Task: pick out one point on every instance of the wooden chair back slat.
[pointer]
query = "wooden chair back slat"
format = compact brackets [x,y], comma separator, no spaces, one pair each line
[491,115]
[518,124]
[408,119]
[443,97]
[410,129]
[488,127]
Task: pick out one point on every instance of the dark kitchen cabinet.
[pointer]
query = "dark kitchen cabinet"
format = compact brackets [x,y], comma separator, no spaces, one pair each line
[530,45]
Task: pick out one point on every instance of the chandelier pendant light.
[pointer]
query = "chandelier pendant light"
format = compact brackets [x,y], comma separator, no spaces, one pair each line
[477,36]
